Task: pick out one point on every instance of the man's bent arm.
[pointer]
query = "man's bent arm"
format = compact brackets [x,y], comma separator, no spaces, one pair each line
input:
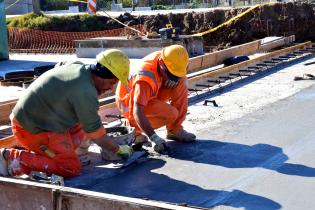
[142,120]
[107,142]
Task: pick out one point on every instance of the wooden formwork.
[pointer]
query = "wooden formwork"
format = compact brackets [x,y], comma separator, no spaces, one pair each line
[20,194]
[236,67]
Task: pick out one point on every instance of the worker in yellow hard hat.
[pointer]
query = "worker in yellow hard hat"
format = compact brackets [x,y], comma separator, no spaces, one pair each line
[59,112]
[156,95]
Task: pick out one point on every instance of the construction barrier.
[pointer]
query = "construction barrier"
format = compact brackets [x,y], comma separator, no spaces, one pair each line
[37,41]
[92,6]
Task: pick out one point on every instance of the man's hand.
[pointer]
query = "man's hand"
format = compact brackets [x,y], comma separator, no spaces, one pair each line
[125,151]
[160,144]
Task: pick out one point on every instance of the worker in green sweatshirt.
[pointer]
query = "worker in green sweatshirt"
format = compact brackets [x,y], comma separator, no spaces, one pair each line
[59,112]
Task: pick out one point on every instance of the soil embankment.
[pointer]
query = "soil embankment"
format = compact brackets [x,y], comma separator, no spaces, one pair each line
[279,19]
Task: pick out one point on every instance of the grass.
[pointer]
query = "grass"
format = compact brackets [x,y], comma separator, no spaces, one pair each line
[78,23]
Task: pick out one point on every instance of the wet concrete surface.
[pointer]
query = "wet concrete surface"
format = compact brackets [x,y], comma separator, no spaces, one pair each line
[255,151]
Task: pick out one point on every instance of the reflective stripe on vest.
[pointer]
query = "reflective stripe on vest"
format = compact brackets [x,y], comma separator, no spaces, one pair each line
[145,73]
[123,108]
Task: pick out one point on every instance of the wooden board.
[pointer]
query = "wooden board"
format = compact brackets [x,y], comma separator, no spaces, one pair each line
[212,59]
[8,142]
[21,194]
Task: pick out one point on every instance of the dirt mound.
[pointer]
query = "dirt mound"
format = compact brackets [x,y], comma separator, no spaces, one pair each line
[190,23]
[280,19]
[277,20]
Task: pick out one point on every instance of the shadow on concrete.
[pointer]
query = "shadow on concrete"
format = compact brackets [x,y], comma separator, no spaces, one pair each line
[142,182]
[232,155]
[20,65]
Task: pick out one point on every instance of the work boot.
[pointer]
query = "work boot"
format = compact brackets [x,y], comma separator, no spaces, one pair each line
[181,135]
[142,140]
[3,164]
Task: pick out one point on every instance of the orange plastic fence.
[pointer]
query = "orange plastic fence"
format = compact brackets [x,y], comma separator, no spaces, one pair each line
[37,41]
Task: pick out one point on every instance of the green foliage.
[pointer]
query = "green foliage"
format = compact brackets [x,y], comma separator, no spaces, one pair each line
[86,22]
[162,7]
[127,3]
[195,4]
[163,2]
[47,5]
[104,4]
[31,20]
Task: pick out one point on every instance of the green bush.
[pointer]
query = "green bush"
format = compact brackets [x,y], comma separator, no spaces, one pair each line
[162,7]
[104,4]
[74,23]
[31,20]
[195,4]
[48,5]
[127,3]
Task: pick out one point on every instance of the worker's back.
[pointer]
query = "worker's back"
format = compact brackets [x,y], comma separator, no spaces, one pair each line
[48,104]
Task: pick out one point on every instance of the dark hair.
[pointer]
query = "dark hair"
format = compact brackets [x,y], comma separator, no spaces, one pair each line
[101,71]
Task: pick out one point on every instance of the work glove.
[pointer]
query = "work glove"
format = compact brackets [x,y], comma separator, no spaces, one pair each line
[170,84]
[159,143]
[125,151]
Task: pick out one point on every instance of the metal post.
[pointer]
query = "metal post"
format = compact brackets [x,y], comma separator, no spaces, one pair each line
[36,6]
[4,52]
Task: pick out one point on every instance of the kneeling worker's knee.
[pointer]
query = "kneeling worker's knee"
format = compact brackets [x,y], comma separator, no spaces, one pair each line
[69,167]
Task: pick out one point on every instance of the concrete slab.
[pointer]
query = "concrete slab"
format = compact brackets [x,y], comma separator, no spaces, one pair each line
[253,152]
[137,48]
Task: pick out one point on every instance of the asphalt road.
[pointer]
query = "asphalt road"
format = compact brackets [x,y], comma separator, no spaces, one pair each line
[255,151]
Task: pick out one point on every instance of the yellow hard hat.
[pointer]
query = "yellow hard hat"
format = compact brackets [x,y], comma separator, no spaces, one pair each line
[117,62]
[176,59]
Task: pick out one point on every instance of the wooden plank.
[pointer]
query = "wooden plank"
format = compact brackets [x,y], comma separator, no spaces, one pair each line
[8,142]
[5,111]
[277,43]
[211,59]
[22,194]
[216,73]
[8,101]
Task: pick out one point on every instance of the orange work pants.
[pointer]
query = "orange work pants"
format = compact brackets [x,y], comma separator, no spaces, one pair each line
[161,113]
[65,162]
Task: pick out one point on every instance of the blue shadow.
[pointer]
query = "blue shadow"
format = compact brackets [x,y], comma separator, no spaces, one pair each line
[142,182]
[232,155]
[20,65]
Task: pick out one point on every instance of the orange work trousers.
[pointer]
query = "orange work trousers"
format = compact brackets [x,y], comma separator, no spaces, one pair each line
[65,162]
[161,113]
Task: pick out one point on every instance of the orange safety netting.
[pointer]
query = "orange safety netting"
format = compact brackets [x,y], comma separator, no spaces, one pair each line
[38,41]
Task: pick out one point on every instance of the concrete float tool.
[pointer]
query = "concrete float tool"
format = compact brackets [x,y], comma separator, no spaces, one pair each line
[123,135]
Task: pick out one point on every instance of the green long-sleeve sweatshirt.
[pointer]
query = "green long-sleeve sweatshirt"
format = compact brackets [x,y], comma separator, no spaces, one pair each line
[59,99]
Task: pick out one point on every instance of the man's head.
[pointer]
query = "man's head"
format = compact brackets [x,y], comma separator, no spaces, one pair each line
[173,64]
[111,65]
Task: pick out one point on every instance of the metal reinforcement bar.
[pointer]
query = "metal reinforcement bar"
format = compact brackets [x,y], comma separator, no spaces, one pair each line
[216,73]
[22,194]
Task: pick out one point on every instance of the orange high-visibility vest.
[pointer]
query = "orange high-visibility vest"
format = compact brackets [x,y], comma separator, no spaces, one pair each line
[145,72]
